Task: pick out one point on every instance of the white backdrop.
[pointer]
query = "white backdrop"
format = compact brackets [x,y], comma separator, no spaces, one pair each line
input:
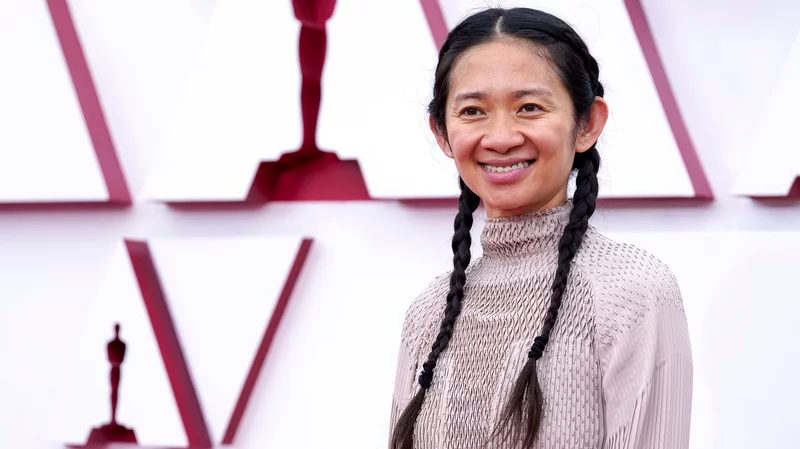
[65,275]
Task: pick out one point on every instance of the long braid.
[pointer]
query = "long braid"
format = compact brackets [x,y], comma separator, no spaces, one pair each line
[403,437]
[522,414]
[584,202]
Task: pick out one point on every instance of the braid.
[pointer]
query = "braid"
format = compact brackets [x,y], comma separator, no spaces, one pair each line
[584,202]
[403,437]
[589,62]
[522,414]
[594,73]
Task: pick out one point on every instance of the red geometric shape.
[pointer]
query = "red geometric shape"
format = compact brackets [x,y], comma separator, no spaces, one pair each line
[436,22]
[90,103]
[186,397]
[180,378]
[266,342]
[691,160]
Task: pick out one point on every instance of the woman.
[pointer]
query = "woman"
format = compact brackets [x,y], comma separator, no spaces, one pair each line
[557,337]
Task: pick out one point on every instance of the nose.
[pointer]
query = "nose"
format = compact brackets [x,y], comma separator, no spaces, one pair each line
[502,135]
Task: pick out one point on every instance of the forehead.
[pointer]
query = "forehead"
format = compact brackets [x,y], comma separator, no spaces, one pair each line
[503,65]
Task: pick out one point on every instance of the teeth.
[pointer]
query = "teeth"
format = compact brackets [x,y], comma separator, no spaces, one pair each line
[506,169]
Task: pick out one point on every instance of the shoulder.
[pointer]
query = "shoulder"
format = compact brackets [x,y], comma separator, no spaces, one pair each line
[641,333]
[628,283]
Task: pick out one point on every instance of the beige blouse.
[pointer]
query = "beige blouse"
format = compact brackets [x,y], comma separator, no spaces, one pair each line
[617,372]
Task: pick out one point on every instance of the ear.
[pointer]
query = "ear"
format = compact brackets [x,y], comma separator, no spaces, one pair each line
[598,115]
[441,140]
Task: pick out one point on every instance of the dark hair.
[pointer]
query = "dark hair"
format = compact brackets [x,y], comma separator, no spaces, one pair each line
[579,73]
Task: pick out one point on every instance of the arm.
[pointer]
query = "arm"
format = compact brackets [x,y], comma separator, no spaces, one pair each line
[420,320]
[647,378]
[405,378]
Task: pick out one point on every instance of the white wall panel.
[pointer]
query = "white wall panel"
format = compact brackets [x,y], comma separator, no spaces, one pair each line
[240,105]
[46,152]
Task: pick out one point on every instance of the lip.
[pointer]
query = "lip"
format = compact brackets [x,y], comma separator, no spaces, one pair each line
[509,177]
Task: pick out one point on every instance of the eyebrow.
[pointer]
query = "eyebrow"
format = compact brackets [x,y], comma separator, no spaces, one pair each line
[533,92]
[478,95]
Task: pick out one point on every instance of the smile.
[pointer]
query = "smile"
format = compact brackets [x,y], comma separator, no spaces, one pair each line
[507,168]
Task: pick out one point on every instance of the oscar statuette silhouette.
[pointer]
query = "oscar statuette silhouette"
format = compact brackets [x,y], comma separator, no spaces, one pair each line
[113,432]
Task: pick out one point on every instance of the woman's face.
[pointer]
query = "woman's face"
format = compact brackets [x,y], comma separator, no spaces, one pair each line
[510,128]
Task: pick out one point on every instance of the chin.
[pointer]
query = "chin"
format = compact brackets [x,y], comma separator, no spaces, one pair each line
[506,208]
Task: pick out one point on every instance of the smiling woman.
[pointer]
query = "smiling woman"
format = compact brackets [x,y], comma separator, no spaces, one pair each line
[511,127]
[557,337]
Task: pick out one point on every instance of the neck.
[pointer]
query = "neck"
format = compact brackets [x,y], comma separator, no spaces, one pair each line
[528,233]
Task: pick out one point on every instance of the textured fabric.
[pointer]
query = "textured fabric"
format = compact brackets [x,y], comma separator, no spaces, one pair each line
[616,374]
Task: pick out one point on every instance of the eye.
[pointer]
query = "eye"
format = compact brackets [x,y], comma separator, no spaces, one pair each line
[470,112]
[530,108]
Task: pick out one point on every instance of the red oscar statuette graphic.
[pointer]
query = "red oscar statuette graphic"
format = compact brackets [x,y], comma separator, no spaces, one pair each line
[113,432]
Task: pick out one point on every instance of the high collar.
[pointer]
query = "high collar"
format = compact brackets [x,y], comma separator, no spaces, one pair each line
[529,233]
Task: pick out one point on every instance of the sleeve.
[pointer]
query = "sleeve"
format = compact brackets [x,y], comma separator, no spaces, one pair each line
[405,376]
[420,323]
[647,379]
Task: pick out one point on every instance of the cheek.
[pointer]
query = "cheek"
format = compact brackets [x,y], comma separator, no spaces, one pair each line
[463,143]
[551,142]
